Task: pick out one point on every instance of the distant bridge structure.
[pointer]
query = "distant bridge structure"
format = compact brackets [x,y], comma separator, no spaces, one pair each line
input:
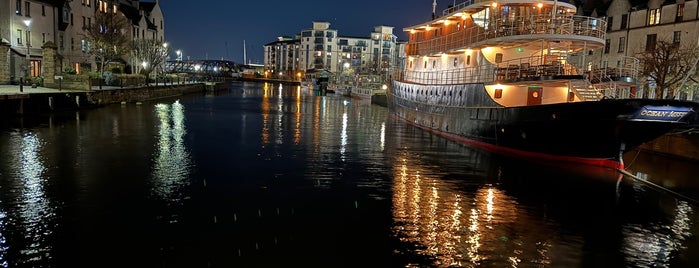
[211,68]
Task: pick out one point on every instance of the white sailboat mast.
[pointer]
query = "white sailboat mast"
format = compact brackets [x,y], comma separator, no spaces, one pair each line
[434,8]
[245,54]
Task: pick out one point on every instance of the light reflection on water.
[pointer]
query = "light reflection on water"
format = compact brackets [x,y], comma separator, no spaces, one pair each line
[294,176]
[491,219]
[32,213]
[171,160]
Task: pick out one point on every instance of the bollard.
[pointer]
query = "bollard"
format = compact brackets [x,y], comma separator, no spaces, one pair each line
[21,84]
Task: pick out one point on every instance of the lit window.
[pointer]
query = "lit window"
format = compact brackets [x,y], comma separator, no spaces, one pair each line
[654,16]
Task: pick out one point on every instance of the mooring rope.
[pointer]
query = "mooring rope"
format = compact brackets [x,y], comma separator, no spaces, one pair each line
[676,194]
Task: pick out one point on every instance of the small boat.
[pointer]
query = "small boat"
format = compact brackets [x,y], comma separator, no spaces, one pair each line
[509,76]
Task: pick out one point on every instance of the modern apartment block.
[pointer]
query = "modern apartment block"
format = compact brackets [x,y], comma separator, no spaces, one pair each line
[27,25]
[322,48]
[636,29]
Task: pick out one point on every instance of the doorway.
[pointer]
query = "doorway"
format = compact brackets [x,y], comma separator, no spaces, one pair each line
[534,95]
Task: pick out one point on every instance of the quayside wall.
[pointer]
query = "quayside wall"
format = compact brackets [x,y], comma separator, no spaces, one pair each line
[40,103]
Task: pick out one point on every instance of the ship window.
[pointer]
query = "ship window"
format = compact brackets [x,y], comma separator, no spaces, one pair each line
[468,60]
[498,57]
[498,93]
[434,63]
[455,61]
[460,93]
[425,67]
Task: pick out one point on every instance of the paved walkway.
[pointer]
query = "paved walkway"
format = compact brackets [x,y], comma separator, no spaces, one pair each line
[14,90]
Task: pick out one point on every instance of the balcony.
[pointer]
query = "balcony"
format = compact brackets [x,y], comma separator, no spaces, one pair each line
[524,28]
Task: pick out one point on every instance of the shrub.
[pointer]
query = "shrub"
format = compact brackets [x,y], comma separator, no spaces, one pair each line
[69,70]
[111,79]
[116,70]
[39,81]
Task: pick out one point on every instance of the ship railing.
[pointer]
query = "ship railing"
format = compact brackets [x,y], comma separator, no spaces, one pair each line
[481,74]
[451,9]
[625,71]
[535,66]
[526,67]
[525,26]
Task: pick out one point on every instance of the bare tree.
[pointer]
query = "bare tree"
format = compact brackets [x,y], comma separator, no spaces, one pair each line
[151,53]
[668,64]
[107,38]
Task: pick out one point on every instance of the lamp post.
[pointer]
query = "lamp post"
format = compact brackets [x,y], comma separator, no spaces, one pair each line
[27,22]
[145,65]
[179,55]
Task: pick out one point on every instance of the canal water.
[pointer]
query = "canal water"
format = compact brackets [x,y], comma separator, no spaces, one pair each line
[269,176]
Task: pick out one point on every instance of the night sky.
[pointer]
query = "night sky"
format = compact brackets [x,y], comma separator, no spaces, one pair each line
[216,29]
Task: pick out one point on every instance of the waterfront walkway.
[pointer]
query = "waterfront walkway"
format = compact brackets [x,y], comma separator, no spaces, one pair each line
[14,90]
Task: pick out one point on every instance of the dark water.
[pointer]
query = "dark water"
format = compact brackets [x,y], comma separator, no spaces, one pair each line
[266,177]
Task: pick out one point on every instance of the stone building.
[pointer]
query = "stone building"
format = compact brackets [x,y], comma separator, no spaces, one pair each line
[30,24]
[634,27]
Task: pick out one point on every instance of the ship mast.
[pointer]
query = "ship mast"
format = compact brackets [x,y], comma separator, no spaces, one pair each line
[434,8]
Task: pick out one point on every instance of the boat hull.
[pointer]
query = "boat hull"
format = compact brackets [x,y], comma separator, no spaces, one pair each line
[596,132]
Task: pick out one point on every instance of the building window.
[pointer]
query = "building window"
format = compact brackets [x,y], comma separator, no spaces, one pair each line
[654,16]
[498,93]
[43,10]
[610,21]
[468,60]
[65,15]
[61,42]
[35,68]
[650,42]
[680,12]
[26,9]
[71,19]
[83,45]
[72,43]
[622,44]
[18,7]
[43,38]
[676,36]
[607,44]
[19,36]
[84,22]
[624,21]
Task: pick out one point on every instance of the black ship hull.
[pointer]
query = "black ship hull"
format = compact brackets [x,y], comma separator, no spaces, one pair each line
[594,132]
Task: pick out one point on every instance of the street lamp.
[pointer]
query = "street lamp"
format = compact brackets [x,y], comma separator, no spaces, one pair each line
[27,22]
[179,55]
[145,65]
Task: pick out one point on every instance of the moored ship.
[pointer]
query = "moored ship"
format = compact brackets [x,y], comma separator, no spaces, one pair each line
[511,76]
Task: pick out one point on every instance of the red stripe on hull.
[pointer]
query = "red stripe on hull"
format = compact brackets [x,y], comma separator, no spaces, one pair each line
[600,162]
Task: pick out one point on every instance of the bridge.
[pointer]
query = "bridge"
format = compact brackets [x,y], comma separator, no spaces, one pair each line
[210,68]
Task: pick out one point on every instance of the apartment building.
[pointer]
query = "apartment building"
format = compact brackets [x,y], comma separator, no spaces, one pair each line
[322,48]
[634,29]
[27,25]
